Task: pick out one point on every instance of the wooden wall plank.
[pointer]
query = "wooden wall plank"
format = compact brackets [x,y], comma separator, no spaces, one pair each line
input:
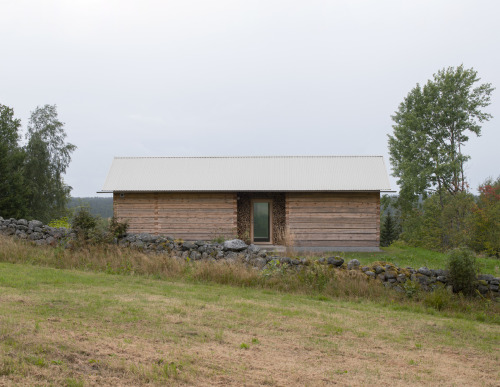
[188,216]
[334,219]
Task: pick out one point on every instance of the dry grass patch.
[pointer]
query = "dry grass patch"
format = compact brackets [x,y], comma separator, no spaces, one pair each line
[68,327]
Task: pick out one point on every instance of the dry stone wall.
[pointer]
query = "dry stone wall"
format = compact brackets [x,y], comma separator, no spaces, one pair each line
[236,250]
[33,230]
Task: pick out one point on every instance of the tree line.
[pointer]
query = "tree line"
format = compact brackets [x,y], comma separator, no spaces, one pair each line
[435,208]
[31,173]
[97,206]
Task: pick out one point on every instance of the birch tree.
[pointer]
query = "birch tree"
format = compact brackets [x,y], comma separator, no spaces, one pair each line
[431,127]
[47,157]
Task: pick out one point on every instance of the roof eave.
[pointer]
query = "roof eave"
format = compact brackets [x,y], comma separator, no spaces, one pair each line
[247,190]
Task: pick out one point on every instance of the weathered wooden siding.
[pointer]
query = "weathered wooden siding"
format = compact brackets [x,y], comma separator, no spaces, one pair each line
[334,219]
[188,216]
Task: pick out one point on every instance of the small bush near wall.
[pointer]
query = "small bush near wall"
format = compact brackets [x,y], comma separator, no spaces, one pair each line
[463,270]
[84,223]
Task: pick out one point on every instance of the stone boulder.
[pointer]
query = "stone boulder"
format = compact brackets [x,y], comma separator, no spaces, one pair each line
[353,264]
[425,271]
[253,249]
[378,269]
[235,245]
[335,261]
[189,245]
[22,222]
[34,224]
[147,238]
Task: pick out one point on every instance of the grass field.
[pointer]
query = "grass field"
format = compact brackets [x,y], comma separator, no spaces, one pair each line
[74,328]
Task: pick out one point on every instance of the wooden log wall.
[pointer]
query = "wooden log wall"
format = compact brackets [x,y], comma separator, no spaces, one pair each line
[187,216]
[348,219]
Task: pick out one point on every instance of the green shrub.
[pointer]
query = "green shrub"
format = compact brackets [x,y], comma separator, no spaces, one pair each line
[443,222]
[117,228]
[463,270]
[411,288]
[60,223]
[84,222]
[486,219]
[274,268]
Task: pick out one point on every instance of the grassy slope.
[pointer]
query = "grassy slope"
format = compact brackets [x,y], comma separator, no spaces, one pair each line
[72,327]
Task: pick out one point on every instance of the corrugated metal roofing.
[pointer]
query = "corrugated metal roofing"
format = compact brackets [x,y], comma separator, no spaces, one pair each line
[257,173]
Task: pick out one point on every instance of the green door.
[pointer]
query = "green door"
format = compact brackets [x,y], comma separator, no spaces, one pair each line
[261,222]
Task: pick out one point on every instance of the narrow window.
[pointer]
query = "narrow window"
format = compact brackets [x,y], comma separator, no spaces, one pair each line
[261,221]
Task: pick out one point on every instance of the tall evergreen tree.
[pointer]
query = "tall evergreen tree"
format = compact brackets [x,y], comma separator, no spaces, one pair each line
[389,231]
[47,158]
[12,190]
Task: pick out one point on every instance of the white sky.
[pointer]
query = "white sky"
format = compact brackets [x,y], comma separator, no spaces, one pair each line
[203,78]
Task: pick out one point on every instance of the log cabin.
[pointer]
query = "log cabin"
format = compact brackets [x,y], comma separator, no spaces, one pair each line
[316,203]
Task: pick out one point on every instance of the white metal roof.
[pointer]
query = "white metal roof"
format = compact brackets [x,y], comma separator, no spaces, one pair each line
[256,173]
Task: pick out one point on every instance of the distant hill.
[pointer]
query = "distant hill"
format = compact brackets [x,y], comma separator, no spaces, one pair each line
[97,205]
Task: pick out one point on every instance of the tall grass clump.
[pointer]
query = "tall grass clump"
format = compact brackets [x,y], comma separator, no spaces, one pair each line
[314,280]
[463,270]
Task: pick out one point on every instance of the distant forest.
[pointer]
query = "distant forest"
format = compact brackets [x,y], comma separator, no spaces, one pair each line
[97,205]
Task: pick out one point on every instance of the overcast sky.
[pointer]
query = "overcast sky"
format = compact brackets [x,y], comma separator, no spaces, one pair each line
[203,78]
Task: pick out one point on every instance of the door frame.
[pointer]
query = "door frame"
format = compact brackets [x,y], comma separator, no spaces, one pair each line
[263,200]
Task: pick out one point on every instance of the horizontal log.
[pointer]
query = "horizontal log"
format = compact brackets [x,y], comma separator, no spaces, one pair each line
[185,225]
[176,195]
[196,211]
[182,206]
[336,244]
[153,204]
[180,214]
[224,217]
[329,194]
[352,224]
[333,210]
[333,198]
[316,231]
[335,237]
[195,237]
[191,225]
[175,205]
[329,217]
[142,230]
[130,196]
[185,237]
[332,218]
[176,222]
[330,204]
[198,230]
